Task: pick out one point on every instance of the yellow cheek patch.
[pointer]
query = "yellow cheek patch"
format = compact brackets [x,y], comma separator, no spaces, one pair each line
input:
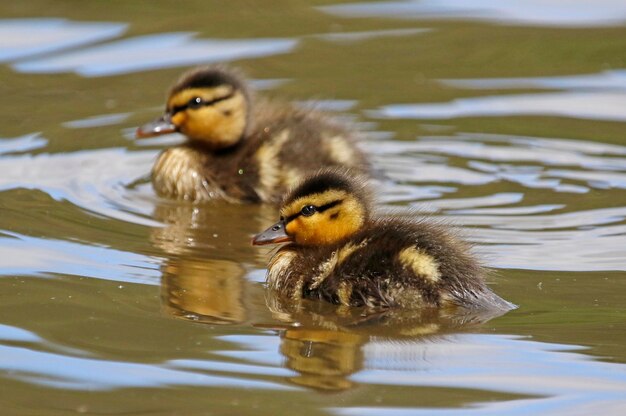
[315,230]
[201,124]
[292,227]
[421,263]
[219,125]
[327,227]
[179,119]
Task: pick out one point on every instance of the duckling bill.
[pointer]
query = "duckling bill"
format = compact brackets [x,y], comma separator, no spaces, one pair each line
[241,148]
[338,251]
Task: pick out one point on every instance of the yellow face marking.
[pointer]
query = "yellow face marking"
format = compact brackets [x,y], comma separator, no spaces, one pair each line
[329,226]
[421,263]
[219,125]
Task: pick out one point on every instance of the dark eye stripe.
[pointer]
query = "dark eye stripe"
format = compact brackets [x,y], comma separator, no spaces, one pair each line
[329,205]
[179,108]
[318,209]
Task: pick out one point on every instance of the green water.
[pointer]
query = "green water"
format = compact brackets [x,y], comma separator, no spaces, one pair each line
[510,124]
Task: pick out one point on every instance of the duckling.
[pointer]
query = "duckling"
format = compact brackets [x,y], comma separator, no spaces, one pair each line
[337,250]
[240,148]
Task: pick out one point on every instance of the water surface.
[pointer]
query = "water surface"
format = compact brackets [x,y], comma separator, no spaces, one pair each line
[506,121]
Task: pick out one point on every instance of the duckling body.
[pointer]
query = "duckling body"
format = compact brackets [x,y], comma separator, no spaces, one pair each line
[239,148]
[343,255]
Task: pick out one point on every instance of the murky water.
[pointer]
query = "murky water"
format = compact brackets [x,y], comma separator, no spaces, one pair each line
[506,120]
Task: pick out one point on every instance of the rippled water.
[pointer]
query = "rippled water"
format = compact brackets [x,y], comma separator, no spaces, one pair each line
[506,120]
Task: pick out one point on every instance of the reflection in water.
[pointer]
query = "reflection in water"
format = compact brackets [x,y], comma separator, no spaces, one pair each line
[577,13]
[198,229]
[154,52]
[203,271]
[209,291]
[325,344]
[559,377]
[335,351]
[323,359]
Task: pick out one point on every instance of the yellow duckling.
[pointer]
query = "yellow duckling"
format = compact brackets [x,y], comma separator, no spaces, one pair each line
[240,148]
[339,252]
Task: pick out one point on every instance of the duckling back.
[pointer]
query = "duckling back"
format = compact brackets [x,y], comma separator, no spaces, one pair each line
[392,262]
[287,144]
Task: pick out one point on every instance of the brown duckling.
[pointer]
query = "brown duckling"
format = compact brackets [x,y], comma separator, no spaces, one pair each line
[241,148]
[339,252]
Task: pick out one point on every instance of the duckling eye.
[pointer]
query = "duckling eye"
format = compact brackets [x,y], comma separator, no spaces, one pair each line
[308,210]
[195,102]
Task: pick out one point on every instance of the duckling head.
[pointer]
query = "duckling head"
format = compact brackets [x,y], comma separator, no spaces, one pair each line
[324,209]
[208,105]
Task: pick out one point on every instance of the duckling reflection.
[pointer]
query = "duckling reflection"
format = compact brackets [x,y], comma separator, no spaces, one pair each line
[325,343]
[193,287]
[218,227]
[209,291]
[323,358]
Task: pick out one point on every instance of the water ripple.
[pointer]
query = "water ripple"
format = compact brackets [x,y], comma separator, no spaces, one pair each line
[574,13]
[559,375]
[148,52]
[22,38]
[608,106]
[95,180]
[47,257]
[77,373]
[611,80]
[22,144]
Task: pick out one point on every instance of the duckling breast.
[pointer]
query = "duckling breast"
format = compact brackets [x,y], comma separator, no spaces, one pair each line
[179,173]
